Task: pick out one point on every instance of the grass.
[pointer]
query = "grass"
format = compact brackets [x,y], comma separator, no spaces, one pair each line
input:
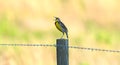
[94,32]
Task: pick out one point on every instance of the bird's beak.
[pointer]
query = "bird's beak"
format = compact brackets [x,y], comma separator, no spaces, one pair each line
[55,17]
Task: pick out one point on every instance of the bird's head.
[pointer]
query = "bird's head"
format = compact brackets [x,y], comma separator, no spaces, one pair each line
[57,19]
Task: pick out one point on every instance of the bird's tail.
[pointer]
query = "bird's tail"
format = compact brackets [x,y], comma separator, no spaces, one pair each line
[67,34]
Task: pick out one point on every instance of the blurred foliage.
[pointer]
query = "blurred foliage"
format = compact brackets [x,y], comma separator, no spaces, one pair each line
[83,63]
[103,36]
[100,33]
[91,25]
[94,18]
[6,28]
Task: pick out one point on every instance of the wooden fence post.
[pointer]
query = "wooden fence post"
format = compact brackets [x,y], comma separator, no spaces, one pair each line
[62,52]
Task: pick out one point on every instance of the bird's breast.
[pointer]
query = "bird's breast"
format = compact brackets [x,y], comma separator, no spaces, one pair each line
[58,26]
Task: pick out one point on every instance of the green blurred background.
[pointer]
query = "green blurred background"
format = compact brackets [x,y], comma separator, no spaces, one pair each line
[91,23]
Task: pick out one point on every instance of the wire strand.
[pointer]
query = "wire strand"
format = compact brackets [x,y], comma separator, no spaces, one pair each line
[53,45]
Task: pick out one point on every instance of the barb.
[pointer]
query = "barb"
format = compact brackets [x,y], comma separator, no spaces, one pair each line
[53,45]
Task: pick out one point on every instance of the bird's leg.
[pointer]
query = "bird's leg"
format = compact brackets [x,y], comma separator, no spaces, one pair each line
[62,35]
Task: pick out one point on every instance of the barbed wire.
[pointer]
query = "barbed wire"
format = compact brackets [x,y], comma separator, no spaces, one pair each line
[54,45]
[28,45]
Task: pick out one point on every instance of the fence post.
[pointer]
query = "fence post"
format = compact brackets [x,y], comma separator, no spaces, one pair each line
[62,52]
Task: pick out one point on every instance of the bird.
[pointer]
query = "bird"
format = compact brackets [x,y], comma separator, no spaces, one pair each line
[61,27]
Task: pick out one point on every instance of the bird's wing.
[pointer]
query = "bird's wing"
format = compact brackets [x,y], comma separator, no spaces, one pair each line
[63,27]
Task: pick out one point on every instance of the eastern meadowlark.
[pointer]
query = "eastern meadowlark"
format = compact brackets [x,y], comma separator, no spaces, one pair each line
[61,27]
